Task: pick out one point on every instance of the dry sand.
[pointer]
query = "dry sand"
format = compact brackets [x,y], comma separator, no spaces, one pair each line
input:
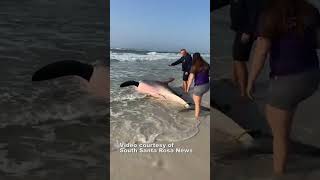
[171,166]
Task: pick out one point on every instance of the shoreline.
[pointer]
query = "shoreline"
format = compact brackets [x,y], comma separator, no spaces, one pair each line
[168,165]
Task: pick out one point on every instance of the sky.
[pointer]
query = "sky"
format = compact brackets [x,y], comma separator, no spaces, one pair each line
[165,25]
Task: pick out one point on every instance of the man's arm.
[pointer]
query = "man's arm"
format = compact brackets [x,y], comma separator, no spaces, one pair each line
[217,4]
[190,79]
[177,62]
[318,29]
[251,12]
[238,15]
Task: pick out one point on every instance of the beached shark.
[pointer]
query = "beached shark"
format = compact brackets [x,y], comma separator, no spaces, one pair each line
[158,89]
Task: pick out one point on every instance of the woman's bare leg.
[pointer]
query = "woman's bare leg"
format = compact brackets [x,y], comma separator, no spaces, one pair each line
[197,102]
[280,122]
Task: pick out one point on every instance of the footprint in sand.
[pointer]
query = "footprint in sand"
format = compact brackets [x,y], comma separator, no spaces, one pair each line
[158,164]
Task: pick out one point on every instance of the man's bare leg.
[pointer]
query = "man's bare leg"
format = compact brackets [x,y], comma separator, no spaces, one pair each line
[184,86]
[234,78]
[242,76]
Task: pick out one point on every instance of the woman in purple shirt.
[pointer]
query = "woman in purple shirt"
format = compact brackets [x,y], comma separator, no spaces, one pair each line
[289,32]
[200,74]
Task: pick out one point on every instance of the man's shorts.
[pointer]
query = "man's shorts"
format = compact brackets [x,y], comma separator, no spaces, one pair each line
[241,51]
[185,76]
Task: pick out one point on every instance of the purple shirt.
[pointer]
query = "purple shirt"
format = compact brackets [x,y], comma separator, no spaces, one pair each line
[201,77]
[292,53]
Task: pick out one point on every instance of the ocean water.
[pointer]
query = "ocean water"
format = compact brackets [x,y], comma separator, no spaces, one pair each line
[136,118]
[50,129]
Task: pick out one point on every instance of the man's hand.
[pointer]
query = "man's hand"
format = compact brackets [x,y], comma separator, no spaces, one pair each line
[245,38]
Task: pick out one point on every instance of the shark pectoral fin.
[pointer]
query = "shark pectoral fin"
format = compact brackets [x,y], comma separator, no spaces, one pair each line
[156,95]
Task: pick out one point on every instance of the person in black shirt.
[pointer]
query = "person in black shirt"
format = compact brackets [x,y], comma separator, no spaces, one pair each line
[244,19]
[186,61]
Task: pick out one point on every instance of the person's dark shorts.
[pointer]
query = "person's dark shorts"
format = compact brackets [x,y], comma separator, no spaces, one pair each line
[185,76]
[240,50]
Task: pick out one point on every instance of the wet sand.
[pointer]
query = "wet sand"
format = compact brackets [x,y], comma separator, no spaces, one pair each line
[159,166]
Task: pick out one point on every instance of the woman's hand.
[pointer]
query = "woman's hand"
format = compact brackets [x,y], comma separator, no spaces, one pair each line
[250,90]
[245,38]
[259,57]
[190,79]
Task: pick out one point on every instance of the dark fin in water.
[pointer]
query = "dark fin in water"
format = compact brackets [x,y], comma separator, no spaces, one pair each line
[129,83]
[63,68]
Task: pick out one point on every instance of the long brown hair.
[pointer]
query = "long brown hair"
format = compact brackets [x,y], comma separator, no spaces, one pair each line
[283,16]
[198,63]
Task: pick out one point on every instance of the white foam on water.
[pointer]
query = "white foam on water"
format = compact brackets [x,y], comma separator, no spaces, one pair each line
[148,121]
[152,56]
[125,96]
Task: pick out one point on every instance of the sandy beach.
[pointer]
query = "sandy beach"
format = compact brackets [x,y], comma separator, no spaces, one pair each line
[159,166]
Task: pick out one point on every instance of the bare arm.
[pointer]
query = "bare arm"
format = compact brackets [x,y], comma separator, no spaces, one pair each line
[259,58]
[260,55]
[190,79]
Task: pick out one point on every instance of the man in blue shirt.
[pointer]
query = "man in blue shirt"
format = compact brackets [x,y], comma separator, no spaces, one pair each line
[186,61]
